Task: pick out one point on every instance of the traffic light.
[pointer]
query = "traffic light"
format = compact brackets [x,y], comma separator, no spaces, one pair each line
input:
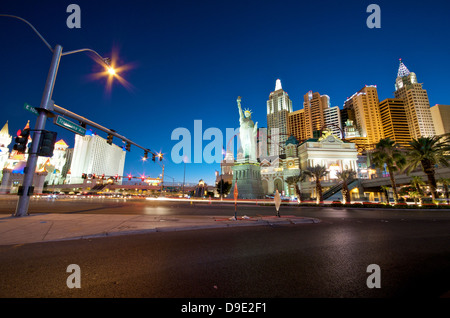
[46,143]
[109,139]
[83,176]
[129,177]
[21,141]
[128,146]
[145,155]
[160,155]
[153,157]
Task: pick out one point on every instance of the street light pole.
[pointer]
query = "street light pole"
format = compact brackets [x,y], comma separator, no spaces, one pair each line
[184,177]
[29,171]
[45,108]
[162,180]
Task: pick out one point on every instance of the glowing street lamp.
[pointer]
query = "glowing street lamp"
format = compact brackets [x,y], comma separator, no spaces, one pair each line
[111,71]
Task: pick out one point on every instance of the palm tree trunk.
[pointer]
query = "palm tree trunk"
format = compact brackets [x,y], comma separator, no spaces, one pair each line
[386,195]
[319,191]
[346,192]
[299,194]
[446,193]
[394,186]
[419,191]
[429,171]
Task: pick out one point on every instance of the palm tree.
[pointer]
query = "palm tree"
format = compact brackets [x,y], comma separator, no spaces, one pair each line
[294,180]
[416,182]
[386,192]
[415,195]
[428,152]
[346,176]
[445,183]
[317,173]
[388,154]
[223,188]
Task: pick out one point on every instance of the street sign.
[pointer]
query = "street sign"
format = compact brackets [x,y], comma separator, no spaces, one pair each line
[65,123]
[30,108]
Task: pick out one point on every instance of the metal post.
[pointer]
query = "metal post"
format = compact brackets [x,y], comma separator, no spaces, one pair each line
[184,177]
[24,199]
[162,181]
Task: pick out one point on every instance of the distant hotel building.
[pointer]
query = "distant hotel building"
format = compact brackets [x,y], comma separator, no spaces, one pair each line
[93,155]
[279,106]
[417,105]
[315,116]
[364,105]
[5,140]
[441,118]
[297,125]
[314,105]
[332,120]
[394,122]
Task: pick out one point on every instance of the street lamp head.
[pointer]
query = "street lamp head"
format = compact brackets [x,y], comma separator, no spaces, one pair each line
[111,71]
[109,67]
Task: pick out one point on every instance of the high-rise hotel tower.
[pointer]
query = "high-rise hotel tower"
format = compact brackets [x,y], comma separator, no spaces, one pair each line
[364,105]
[279,106]
[417,105]
[315,105]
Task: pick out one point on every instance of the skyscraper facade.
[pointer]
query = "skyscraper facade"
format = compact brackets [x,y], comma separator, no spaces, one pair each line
[314,105]
[93,155]
[279,106]
[365,106]
[417,105]
[297,124]
[394,122]
[332,120]
[441,118]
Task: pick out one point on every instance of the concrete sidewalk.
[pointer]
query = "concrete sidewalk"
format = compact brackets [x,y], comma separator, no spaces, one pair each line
[58,226]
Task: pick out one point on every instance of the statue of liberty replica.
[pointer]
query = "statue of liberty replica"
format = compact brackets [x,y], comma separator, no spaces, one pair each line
[246,171]
[247,133]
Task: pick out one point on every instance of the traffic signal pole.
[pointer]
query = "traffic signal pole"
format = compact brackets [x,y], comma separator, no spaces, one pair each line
[67,113]
[29,171]
[46,110]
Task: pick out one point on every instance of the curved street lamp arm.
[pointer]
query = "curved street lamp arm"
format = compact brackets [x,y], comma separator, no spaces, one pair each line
[31,26]
[105,60]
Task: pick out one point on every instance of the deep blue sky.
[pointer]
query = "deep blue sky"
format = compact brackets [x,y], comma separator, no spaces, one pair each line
[191,59]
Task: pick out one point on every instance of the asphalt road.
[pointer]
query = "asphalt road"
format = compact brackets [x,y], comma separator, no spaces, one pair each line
[328,259]
[158,207]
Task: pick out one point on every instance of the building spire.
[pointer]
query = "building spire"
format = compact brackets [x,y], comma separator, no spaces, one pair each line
[402,70]
[5,130]
[278,85]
